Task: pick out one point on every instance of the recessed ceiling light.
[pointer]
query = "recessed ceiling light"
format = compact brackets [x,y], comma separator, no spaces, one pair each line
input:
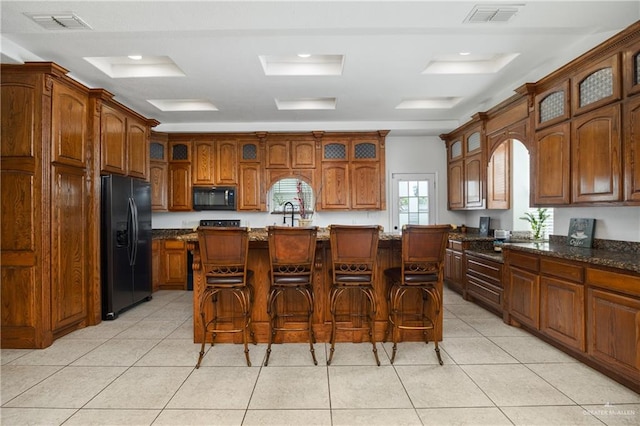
[183,104]
[126,67]
[295,65]
[306,103]
[469,64]
[429,103]
[465,53]
[304,55]
[135,57]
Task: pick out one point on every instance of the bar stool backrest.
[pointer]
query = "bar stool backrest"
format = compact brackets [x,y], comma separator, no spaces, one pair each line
[354,249]
[292,252]
[423,252]
[224,252]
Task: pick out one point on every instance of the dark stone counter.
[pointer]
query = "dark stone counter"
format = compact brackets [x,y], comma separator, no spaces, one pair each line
[628,261]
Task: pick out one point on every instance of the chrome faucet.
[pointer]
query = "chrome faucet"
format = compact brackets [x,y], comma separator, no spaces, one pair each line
[284,212]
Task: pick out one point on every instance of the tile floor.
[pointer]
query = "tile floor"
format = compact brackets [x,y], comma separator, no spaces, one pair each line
[493,374]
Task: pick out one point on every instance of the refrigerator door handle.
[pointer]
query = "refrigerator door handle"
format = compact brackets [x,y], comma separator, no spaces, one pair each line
[131,231]
[136,231]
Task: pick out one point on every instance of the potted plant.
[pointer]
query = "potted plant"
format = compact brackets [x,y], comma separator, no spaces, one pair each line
[536,221]
[304,205]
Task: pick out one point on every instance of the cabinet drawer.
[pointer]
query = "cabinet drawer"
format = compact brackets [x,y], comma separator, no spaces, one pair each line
[629,284]
[485,290]
[174,244]
[488,270]
[524,261]
[455,245]
[564,270]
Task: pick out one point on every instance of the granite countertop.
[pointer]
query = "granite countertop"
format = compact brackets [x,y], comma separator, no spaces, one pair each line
[255,234]
[629,261]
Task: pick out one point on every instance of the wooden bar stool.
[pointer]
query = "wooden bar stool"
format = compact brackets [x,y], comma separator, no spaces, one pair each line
[292,253]
[354,250]
[422,270]
[224,253]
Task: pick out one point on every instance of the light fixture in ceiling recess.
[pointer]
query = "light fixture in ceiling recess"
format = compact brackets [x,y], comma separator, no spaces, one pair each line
[304,55]
[135,57]
[59,21]
[183,104]
[482,14]
[294,65]
[306,104]
[470,64]
[429,103]
[126,67]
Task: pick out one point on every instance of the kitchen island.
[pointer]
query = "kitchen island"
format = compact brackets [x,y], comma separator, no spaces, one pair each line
[389,255]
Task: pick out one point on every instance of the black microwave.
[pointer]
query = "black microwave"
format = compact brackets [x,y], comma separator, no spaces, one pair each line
[214,198]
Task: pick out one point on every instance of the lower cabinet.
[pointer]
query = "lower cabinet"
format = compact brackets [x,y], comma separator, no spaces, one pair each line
[454,265]
[613,320]
[169,265]
[562,302]
[524,288]
[593,313]
[484,281]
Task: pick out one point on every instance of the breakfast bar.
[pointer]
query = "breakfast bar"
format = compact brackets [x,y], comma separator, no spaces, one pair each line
[389,252]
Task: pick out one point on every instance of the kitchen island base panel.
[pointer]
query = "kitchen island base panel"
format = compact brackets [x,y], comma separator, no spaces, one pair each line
[388,256]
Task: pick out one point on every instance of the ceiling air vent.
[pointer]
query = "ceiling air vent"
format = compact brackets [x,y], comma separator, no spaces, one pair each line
[483,14]
[59,21]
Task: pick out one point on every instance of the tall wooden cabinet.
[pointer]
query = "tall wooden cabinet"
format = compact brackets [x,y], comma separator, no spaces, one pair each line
[49,216]
[251,193]
[179,179]
[159,171]
[57,137]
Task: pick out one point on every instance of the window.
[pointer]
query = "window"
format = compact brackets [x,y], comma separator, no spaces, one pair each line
[293,190]
[413,199]
[548,224]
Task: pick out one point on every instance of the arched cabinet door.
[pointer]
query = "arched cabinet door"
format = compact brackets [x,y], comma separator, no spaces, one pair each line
[551,174]
[596,157]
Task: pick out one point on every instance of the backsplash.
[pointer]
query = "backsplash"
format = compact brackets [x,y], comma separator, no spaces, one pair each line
[609,245]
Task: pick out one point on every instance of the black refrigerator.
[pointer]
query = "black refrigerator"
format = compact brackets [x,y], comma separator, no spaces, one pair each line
[126,243]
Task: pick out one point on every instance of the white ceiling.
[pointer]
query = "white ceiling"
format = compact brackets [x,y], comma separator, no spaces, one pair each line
[386,47]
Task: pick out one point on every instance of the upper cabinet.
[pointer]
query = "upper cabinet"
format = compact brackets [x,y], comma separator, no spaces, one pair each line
[69,107]
[158,171]
[584,143]
[137,148]
[124,138]
[113,133]
[553,105]
[251,196]
[596,85]
[551,183]
[631,69]
[215,162]
[352,172]
[179,178]
[466,167]
[631,131]
[596,156]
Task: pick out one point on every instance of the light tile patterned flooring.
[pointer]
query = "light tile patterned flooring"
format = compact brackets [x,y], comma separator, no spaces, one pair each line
[493,374]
